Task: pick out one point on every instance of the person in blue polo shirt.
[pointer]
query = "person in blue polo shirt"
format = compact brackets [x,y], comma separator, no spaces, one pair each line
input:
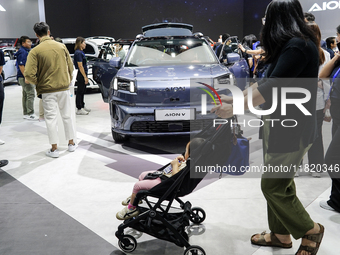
[28,93]
[80,63]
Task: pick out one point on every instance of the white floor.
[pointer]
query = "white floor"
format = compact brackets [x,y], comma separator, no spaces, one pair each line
[89,184]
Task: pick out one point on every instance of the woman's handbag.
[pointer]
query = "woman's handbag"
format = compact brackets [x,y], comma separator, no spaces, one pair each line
[239,158]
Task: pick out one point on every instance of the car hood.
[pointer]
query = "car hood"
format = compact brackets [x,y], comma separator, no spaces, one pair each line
[178,72]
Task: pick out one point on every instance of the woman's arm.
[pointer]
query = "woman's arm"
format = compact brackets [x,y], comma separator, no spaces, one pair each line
[251,52]
[329,67]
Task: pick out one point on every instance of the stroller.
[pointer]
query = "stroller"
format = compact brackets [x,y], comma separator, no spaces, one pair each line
[156,220]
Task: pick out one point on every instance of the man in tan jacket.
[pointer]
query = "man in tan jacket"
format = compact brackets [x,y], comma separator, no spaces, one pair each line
[50,68]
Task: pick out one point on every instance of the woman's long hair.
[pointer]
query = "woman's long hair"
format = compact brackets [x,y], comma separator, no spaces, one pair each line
[248,40]
[315,28]
[284,20]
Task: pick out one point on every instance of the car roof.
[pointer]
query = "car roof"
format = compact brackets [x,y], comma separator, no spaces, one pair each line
[167,29]
[100,40]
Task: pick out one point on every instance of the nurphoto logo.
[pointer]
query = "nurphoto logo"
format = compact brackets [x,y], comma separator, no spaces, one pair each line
[238,100]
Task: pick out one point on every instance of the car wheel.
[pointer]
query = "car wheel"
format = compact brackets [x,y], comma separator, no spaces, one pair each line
[118,137]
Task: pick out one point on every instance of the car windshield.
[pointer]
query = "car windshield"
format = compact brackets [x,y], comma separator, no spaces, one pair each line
[171,52]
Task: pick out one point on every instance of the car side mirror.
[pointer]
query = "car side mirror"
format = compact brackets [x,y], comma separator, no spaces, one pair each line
[115,62]
[232,58]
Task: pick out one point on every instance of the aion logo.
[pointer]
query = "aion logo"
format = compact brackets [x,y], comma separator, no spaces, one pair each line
[331,5]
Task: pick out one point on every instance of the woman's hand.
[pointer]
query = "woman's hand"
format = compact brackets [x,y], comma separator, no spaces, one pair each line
[223,111]
[226,99]
[86,80]
[241,47]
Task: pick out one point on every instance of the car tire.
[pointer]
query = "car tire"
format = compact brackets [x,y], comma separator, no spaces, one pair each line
[118,137]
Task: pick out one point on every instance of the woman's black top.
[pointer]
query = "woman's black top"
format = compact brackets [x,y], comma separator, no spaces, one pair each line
[297,66]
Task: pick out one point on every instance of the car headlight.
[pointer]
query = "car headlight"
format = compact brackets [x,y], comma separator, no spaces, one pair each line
[132,87]
[120,84]
[115,84]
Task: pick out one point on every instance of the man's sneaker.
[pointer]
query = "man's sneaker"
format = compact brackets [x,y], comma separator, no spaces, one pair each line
[323,204]
[52,154]
[72,147]
[87,109]
[32,117]
[26,116]
[2,142]
[82,112]
[126,213]
[127,201]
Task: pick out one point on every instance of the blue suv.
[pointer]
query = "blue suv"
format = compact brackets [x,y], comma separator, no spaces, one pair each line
[158,87]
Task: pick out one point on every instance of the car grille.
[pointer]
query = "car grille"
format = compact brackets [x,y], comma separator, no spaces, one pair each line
[169,126]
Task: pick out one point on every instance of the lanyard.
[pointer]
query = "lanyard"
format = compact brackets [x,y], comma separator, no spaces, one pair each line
[335,75]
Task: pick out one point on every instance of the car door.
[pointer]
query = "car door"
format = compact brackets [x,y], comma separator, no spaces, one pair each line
[9,69]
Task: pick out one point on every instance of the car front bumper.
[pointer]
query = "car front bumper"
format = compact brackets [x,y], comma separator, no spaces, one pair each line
[140,121]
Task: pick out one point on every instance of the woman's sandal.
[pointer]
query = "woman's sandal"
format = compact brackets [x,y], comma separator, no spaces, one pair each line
[317,238]
[275,242]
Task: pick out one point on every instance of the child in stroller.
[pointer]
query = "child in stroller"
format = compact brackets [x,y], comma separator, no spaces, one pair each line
[149,179]
[160,219]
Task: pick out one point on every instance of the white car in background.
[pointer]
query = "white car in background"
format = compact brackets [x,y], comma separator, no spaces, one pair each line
[91,52]
[107,46]
[100,40]
[9,70]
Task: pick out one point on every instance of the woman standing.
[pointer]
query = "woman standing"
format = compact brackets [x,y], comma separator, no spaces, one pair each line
[247,44]
[316,152]
[80,63]
[290,49]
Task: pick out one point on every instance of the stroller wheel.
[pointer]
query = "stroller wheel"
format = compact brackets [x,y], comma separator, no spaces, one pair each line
[127,243]
[194,250]
[197,215]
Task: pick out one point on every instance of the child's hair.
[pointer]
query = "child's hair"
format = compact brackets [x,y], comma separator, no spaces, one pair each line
[194,143]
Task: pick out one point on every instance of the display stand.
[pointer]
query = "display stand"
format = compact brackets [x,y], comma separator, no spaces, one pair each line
[61,131]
